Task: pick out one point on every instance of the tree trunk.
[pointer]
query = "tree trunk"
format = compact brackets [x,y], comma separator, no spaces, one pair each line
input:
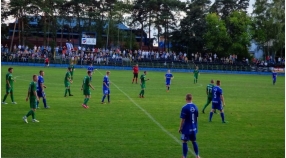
[62,32]
[12,40]
[45,36]
[165,34]
[19,34]
[22,31]
[149,32]
[141,35]
[158,33]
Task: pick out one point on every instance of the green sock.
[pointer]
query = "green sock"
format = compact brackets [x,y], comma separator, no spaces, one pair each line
[5,96]
[66,92]
[33,114]
[143,91]
[140,92]
[86,100]
[29,113]
[12,97]
[69,90]
[194,80]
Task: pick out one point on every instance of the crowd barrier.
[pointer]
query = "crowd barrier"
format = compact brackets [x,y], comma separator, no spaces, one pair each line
[152,66]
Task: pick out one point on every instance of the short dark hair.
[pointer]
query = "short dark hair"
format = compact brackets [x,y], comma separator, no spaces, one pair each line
[34,76]
[218,82]
[89,72]
[10,68]
[69,68]
[212,81]
[41,71]
[189,97]
[145,71]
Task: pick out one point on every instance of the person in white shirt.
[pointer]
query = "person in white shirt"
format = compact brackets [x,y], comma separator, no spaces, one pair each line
[215,57]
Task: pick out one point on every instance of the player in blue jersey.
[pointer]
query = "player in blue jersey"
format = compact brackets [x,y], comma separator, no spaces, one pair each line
[217,101]
[90,68]
[274,76]
[168,77]
[189,125]
[105,88]
[40,89]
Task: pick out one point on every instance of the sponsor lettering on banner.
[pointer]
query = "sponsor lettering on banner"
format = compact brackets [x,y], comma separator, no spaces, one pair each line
[88,41]
[279,70]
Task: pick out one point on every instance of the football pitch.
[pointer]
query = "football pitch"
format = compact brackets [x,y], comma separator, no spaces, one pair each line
[143,127]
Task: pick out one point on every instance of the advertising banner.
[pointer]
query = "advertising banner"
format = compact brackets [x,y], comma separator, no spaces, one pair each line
[88,41]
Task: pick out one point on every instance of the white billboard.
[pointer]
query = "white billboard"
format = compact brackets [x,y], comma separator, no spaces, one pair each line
[88,41]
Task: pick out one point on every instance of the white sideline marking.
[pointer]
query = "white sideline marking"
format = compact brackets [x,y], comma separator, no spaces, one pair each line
[151,117]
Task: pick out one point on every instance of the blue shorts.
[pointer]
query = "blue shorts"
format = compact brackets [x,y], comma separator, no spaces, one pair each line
[217,106]
[41,94]
[189,137]
[106,91]
[168,83]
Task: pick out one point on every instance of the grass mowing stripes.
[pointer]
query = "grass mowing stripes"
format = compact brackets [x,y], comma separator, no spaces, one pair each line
[254,110]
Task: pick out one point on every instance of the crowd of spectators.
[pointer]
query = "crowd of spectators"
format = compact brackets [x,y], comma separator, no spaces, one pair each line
[85,55]
[24,53]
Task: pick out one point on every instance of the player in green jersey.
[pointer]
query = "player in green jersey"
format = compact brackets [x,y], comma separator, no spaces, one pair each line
[72,69]
[209,94]
[143,86]
[33,97]
[196,74]
[68,81]
[85,87]
[9,86]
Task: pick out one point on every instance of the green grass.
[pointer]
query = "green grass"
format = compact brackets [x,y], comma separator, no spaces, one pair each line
[254,111]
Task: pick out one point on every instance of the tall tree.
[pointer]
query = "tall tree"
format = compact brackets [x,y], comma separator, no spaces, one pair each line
[216,36]
[139,14]
[239,32]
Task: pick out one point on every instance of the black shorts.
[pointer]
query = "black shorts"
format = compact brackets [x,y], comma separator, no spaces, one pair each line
[135,75]
[46,63]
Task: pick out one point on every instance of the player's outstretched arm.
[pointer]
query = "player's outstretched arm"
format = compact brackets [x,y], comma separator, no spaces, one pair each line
[91,86]
[35,93]
[181,125]
[222,99]
[27,98]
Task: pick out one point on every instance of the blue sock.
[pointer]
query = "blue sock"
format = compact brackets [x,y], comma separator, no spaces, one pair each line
[196,148]
[211,115]
[185,149]
[222,116]
[108,98]
[103,98]
[45,102]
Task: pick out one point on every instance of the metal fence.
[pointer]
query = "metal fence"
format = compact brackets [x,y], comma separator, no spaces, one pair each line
[129,63]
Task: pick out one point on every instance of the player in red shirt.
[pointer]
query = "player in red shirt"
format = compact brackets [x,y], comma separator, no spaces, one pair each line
[135,73]
[47,61]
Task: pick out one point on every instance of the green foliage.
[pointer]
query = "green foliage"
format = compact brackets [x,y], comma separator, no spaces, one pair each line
[4,30]
[269,25]
[228,30]
[238,24]
[216,36]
